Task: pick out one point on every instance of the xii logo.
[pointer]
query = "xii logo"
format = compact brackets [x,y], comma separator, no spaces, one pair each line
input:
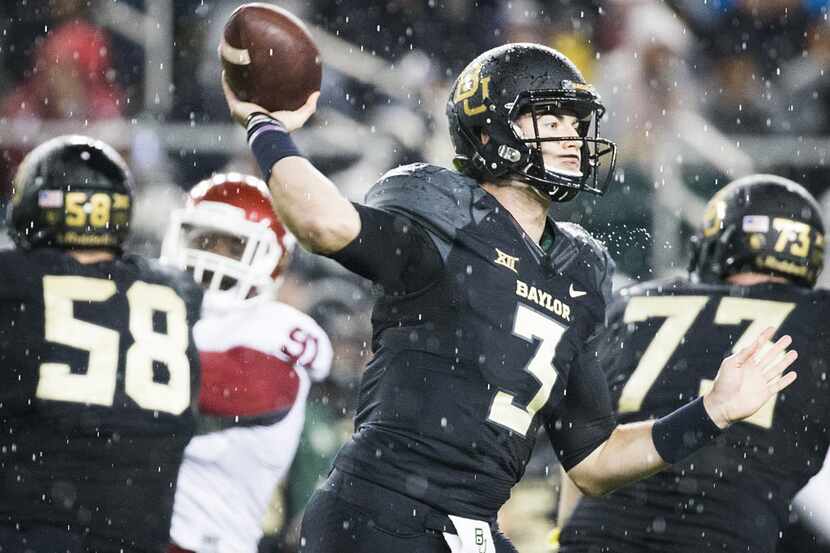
[507,261]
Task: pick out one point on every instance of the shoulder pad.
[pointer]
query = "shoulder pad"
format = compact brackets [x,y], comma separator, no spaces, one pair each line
[657,287]
[574,244]
[668,286]
[439,199]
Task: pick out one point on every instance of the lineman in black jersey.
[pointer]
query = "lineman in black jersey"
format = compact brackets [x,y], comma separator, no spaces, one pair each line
[99,368]
[482,287]
[758,256]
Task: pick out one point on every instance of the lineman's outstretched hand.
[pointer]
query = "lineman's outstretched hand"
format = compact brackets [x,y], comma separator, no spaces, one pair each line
[292,120]
[749,378]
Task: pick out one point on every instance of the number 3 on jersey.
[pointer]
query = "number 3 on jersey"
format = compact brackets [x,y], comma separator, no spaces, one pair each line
[97,385]
[530,325]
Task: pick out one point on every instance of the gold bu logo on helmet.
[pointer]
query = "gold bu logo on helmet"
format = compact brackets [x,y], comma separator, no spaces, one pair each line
[468,86]
[713,215]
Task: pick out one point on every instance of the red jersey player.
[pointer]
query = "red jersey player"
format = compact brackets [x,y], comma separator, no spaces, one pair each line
[258,356]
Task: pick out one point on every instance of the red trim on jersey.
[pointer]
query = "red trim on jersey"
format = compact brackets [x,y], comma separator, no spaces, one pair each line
[173,548]
[246,382]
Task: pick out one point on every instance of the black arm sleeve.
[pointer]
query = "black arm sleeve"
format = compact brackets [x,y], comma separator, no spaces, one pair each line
[585,418]
[392,251]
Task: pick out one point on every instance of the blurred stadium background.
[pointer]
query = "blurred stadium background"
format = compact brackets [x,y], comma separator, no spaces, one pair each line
[698,92]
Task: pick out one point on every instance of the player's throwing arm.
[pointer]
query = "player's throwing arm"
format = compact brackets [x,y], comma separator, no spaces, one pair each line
[306,200]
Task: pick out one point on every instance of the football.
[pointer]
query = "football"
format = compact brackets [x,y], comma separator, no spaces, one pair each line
[269,57]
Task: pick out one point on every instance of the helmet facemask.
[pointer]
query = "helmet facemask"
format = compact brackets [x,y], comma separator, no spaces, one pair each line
[520,157]
[507,82]
[229,276]
[594,175]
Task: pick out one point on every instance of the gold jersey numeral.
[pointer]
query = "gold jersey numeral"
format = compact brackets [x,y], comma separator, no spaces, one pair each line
[84,209]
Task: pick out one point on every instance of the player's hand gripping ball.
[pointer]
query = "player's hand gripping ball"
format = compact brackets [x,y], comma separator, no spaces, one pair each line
[269,57]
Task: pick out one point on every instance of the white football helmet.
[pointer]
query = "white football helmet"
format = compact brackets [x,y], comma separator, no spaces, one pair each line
[229,237]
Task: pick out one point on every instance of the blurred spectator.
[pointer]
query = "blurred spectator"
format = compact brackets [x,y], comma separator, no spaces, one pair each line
[71,77]
[772,29]
[24,27]
[807,82]
[738,105]
[746,43]
[645,81]
[450,31]
[565,25]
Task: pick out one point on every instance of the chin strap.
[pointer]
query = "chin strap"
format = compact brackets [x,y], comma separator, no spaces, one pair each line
[562,194]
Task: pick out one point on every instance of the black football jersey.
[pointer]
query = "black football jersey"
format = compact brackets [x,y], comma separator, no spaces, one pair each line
[664,346]
[463,372]
[98,381]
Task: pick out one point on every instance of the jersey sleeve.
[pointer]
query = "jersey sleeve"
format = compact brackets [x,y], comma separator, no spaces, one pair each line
[584,419]
[255,361]
[392,251]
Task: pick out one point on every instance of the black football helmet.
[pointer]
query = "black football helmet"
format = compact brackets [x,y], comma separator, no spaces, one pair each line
[71,192]
[761,224]
[512,80]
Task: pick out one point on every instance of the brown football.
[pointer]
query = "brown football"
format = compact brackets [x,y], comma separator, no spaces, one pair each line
[269,57]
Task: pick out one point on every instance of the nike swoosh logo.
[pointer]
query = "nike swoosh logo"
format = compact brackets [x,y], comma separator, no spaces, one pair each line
[575,293]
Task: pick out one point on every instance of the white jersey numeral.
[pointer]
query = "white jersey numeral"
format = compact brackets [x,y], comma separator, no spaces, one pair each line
[97,385]
[680,312]
[530,325]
